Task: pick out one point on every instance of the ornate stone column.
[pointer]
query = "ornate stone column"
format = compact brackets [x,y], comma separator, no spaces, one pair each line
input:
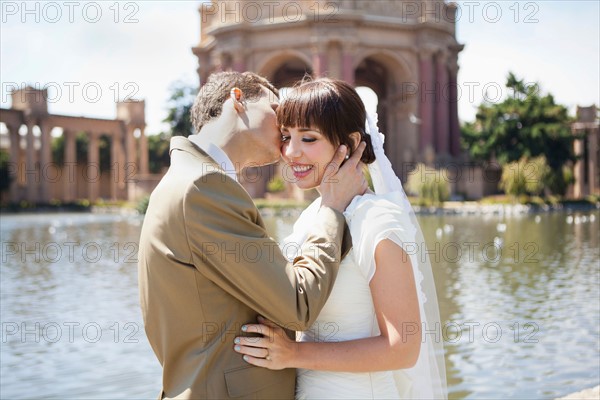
[402,141]
[217,62]
[427,95]
[334,60]
[70,167]
[117,160]
[15,162]
[203,67]
[442,125]
[130,151]
[394,133]
[121,160]
[114,163]
[31,173]
[239,61]
[593,160]
[578,170]
[45,160]
[319,59]
[453,109]
[93,165]
[348,62]
[143,152]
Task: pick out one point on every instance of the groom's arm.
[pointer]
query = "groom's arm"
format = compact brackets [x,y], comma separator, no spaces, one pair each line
[230,247]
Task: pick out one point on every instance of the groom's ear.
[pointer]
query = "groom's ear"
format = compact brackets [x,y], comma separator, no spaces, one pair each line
[238,106]
[237,97]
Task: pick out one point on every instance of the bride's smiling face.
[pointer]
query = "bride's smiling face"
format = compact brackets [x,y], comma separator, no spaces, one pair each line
[307,152]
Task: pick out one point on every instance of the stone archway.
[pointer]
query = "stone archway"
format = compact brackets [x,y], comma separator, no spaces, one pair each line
[284,69]
[408,58]
[289,73]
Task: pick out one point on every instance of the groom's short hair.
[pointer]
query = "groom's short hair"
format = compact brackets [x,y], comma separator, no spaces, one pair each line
[213,94]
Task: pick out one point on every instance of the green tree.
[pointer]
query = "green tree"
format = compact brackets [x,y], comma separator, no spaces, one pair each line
[179,106]
[178,117]
[158,149]
[5,177]
[81,150]
[526,124]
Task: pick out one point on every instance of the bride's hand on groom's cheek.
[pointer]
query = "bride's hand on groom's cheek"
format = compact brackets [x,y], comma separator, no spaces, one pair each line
[272,350]
[341,183]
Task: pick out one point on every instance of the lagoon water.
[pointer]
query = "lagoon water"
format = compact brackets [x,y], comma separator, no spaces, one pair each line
[519,300]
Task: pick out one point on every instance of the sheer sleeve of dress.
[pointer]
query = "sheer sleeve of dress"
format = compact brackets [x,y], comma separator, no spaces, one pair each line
[372,219]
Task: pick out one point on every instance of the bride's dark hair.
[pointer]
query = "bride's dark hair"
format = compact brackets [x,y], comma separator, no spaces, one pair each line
[331,106]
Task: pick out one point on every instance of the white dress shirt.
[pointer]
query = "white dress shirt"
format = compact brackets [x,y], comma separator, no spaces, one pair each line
[217,154]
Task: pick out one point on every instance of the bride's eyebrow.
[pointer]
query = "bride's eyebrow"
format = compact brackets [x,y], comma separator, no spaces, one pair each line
[308,130]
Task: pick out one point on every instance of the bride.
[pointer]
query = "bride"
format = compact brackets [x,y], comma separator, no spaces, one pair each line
[378,334]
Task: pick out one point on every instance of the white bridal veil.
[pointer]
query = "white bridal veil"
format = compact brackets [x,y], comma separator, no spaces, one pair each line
[429,374]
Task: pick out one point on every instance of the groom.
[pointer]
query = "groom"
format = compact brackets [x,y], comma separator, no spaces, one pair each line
[206,263]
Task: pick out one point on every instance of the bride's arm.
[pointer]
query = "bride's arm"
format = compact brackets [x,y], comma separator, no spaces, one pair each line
[397,310]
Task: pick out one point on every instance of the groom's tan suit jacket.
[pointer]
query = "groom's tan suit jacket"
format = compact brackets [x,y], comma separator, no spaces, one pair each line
[207,266]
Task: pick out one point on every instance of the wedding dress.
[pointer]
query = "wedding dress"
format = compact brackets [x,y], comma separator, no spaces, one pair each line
[349,312]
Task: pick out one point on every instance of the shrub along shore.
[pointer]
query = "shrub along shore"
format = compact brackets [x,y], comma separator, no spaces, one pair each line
[497,205]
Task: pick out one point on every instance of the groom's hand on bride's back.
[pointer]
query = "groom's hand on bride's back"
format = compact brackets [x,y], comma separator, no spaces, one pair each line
[342,182]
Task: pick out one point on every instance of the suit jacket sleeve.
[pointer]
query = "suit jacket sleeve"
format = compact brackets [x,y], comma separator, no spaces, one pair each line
[230,246]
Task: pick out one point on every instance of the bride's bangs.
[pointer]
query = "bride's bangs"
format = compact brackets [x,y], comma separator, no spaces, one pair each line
[306,107]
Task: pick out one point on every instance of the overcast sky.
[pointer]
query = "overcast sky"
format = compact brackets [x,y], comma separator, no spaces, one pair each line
[90,53]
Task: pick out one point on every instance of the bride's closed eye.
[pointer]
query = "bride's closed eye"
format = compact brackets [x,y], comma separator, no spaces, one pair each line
[285,138]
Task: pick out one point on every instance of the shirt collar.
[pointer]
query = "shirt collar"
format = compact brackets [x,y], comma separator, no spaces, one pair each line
[217,154]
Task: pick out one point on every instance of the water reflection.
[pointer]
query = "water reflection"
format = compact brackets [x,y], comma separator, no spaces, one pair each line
[71,325]
[518,297]
[524,287]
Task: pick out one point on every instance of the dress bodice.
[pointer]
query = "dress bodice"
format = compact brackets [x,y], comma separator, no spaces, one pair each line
[349,312]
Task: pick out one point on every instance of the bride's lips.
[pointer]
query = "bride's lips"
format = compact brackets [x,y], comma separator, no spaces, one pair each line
[301,170]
